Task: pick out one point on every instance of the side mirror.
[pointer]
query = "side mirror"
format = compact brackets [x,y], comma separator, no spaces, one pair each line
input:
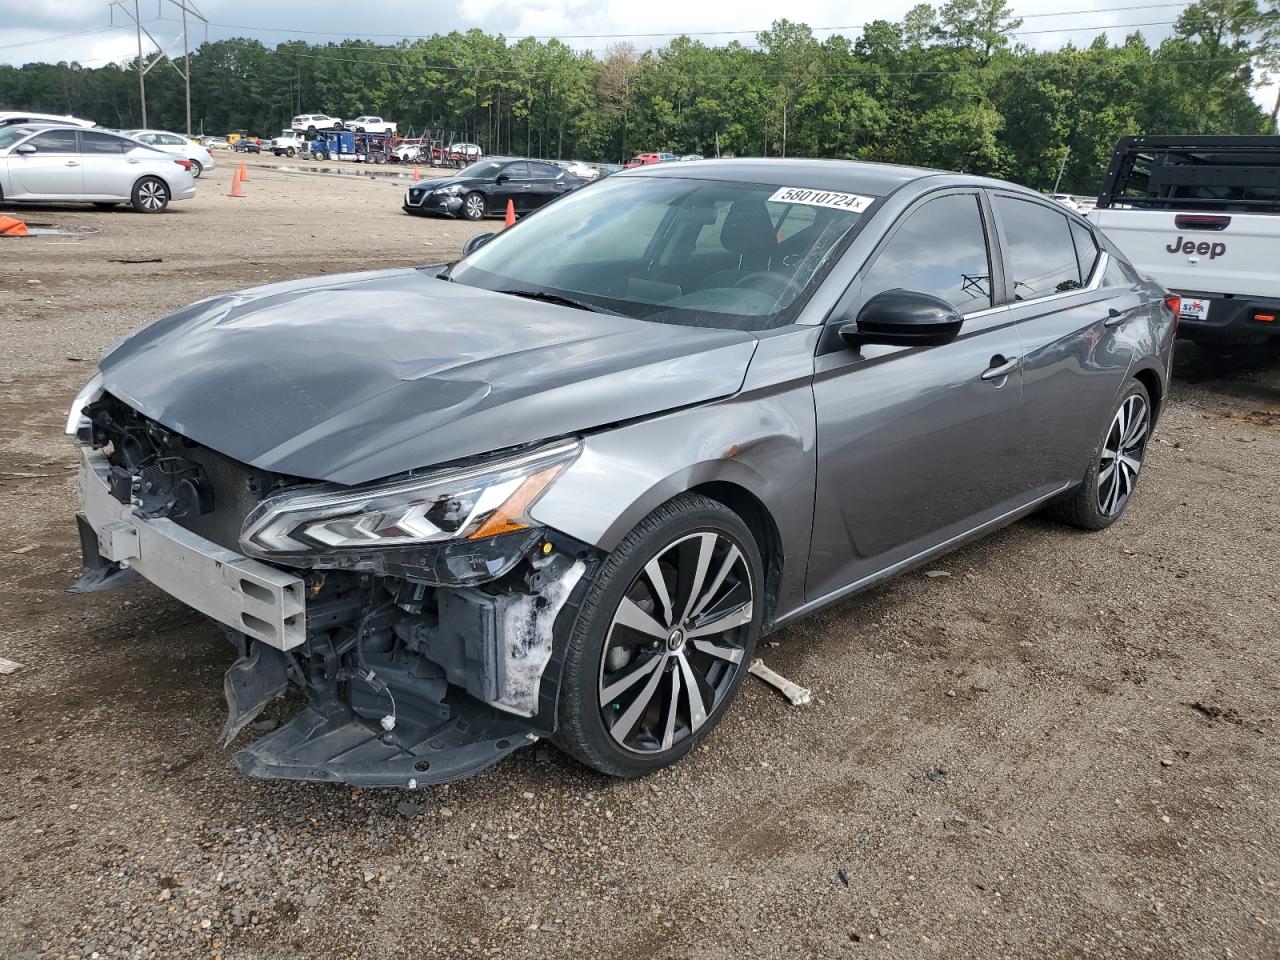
[904,318]
[476,242]
[26,149]
[502,178]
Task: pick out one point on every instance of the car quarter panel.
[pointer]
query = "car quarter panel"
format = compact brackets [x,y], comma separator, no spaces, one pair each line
[761,440]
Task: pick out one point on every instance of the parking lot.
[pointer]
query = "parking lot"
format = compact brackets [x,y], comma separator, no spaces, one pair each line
[1049,744]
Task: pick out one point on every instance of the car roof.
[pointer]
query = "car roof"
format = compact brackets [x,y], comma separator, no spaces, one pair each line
[855,176]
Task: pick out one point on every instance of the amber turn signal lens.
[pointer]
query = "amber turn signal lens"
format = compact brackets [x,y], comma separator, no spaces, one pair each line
[511,515]
[1264,317]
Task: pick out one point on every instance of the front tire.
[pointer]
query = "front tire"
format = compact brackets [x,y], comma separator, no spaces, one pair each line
[290,152]
[150,195]
[473,206]
[1113,471]
[662,640]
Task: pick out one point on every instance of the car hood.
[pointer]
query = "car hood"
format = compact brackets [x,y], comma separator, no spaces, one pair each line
[435,183]
[361,376]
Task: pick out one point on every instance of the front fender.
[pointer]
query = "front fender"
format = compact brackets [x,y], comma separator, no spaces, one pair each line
[761,441]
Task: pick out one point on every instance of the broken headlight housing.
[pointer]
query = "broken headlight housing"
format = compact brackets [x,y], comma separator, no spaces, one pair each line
[472,504]
[90,392]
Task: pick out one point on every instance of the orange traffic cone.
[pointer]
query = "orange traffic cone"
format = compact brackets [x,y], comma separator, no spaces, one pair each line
[511,214]
[416,174]
[236,189]
[12,227]
[244,172]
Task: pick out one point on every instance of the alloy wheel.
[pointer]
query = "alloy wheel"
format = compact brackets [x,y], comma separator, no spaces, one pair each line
[1122,452]
[475,206]
[676,642]
[151,194]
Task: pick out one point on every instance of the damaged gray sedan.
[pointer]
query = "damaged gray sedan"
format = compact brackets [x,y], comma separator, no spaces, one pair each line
[560,488]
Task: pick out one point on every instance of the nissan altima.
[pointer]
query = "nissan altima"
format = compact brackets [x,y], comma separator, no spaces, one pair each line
[561,487]
[69,164]
[484,188]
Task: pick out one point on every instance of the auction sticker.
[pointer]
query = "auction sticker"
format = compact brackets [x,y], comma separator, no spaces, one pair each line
[823,198]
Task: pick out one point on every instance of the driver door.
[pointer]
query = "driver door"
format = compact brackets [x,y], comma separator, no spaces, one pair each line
[53,171]
[515,187]
[917,445]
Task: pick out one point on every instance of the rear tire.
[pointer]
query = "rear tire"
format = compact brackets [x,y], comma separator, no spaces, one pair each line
[197,168]
[290,152]
[652,664]
[150,195]
[1097,502]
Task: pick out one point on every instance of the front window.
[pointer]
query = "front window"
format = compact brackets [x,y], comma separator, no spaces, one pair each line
[705,253]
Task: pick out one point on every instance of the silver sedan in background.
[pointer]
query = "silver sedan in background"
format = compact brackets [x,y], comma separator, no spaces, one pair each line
[68,164]
[201,156]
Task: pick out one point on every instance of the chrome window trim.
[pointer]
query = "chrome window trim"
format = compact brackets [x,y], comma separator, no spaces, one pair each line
[1095,281]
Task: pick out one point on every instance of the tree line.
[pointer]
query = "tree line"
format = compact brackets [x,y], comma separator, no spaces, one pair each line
[949,87]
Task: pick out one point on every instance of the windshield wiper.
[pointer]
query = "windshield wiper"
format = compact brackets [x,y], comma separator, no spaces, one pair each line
[562,300]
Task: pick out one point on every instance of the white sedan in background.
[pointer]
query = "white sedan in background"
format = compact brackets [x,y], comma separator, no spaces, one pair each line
[74,165]
[201,157]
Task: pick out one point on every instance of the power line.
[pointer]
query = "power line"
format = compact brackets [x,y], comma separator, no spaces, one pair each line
[61,36]
[664,33]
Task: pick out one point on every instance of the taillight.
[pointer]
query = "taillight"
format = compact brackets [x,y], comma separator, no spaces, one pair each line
[1174,303]
[1264,316]
[184,164]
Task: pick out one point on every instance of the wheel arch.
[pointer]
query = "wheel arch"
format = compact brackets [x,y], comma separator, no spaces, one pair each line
[764,528]
[1151,379]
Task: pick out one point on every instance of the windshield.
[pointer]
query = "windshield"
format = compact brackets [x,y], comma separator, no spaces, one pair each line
[11,135]
[705,253]
[482,170]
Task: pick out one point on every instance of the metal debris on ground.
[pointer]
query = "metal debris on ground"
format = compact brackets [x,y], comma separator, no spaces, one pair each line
[9,666]
[798,695]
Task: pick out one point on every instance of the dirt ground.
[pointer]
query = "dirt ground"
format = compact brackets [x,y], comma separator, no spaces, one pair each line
[1069,747]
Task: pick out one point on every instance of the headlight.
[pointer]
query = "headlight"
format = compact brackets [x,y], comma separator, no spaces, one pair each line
[453,189]
[472,504]
[75,416]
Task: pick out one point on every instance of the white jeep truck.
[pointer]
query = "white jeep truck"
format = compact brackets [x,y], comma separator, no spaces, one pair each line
[1201,216]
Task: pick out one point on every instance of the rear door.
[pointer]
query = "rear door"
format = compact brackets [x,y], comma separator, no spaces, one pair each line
[109,171]
[547,181]
[1076,352]
[53,171]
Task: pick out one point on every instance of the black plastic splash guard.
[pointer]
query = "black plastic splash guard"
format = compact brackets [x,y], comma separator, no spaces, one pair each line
[332,744]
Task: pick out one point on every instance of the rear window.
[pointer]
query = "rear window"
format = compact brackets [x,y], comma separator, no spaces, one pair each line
[1217,175]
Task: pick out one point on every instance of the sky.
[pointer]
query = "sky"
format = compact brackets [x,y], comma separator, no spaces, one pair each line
[53,30]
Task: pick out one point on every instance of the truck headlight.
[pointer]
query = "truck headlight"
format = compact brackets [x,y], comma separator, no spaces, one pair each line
[87,395]
[469,504]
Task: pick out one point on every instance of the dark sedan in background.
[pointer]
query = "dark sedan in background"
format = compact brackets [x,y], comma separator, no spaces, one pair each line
[483,189]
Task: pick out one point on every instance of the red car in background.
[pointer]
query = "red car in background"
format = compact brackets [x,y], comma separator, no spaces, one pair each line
[641,159]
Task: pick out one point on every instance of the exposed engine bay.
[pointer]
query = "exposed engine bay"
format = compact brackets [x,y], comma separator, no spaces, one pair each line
[419,664]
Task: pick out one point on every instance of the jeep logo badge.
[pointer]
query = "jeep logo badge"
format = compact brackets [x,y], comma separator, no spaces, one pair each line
[1214,250]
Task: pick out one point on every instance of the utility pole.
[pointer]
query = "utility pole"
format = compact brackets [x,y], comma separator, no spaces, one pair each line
[144,66]
[142,74]
[1061,167]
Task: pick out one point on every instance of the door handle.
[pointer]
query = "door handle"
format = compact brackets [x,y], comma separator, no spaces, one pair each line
[1000,367]
[134,160]
[1115,317]
[71,163]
